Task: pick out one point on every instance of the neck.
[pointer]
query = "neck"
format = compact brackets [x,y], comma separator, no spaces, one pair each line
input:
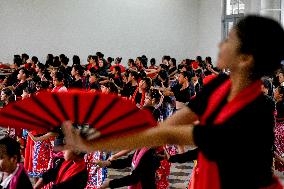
[22,80]
[185,85]
[134,83]
[77,77]
[239,82]
[141,90]
[12,169]
[77,159]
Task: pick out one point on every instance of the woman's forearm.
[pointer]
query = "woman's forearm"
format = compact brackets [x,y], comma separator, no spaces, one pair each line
[157,136]
[183,116]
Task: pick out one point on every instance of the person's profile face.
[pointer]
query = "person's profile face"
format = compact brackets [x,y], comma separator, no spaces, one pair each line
[20,75]
[56,82]
[281,77]
[104,89]
[228,56]
[3,96]
[6,162]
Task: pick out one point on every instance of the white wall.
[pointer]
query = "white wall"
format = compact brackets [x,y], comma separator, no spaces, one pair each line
[126,28]
[209,28]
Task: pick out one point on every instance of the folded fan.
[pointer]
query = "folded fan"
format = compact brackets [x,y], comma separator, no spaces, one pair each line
[109,114]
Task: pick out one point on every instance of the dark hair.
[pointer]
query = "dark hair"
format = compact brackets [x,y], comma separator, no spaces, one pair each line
[118,60]
[64,60]
[188,75]
[17,60]
[144,61]
[199,59]
[61,56]
[166,57]
[208,59]
[49,60]
[34,59]
[153,61]
[10,94]
[40,66]
[148,82]
[268,85]
[78,68]
[100,55]
[25,56]
[263,38]
[174,61]
[118,69]
[131,61]
[12,147]
[56,61]
[164,75]
[135,75]
[112,87]
[26,72]
[59,76]
[110,60]
[76,60]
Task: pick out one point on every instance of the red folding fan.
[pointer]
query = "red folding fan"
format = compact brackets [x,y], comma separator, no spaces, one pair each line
[109,114]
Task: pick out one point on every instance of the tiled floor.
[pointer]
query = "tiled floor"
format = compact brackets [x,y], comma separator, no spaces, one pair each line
[179,176]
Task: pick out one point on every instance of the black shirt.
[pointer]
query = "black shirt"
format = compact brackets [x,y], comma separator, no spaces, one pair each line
[143,173]
[242,146]
[77,84]
[182,95]
[78,181]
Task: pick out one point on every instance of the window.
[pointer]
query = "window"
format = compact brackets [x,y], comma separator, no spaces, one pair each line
[232,12]
[234,7]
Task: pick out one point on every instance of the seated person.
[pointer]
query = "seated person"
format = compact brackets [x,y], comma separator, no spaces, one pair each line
[13,174]
[70,172]
[144,163]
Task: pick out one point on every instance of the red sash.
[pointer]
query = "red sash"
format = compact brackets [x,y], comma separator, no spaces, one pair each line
[208,174]
[69,169]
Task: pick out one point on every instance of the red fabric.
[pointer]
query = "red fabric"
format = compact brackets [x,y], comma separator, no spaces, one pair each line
[89,66]
[121,67]
[153,75]
[69,169]
[209,78]
[14,181]
[208,175]
[194,65]
[57,88]
[142,98]
[135,162]
[3,66]
[45,112]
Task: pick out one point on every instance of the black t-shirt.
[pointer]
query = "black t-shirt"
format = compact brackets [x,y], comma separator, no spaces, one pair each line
[19,87]
[172,70]
[280,110]
[77,84]
[128,90]
[181,95]
[242,145]
[138,98]
[95,86]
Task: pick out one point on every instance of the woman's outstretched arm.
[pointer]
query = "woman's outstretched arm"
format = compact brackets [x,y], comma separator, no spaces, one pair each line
[157,136]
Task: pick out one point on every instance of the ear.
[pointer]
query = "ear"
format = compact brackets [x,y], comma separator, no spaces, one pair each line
[246,60]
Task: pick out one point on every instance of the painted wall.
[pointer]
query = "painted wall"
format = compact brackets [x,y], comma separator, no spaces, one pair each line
[209,28]
[124,28]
